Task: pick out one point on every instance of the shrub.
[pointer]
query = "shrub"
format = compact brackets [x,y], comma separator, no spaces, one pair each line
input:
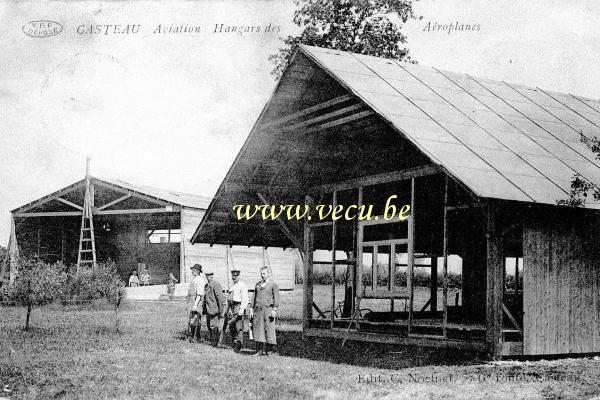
[103,282]
[36,284]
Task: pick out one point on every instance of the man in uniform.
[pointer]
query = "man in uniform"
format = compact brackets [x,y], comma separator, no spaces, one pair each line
[265,306]
[195,300]
[238,302]
[214,309]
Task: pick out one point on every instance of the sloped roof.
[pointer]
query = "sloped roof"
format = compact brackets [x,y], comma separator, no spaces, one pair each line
[176,198]
[501,140]
[179,198]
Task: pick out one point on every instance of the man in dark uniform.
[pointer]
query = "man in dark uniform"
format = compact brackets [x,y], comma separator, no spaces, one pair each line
[213,308]
[237,302]
[265,306]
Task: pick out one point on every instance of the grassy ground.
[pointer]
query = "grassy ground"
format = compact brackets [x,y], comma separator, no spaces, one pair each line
[76,353]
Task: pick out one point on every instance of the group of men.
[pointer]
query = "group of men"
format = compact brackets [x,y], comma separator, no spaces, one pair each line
[205,297]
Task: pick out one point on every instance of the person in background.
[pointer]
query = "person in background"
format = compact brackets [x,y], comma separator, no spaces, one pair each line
[171,281]
[265,306]
[214,309]
[133,279]
[237,303]
[195,299]
[145,278]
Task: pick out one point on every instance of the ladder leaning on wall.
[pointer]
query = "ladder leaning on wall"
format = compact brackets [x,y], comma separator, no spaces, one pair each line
[87,244]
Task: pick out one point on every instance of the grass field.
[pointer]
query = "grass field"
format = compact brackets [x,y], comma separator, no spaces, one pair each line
[76,353]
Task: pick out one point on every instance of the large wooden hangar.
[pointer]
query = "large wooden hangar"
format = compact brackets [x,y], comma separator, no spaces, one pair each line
[482,164]
[138,227]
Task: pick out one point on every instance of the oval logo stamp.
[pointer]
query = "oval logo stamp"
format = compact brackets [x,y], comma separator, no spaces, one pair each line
[42,28]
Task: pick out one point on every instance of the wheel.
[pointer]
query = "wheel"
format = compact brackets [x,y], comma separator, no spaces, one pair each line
[364,311]
[326,315]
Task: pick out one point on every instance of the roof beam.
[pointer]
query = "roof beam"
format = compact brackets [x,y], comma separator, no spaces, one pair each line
[307,111]
[137,194]
[47,214]
[286,230]
[67,202]
[340,121]
[167,209]
[371,180]
[324,117]
[112,203]
[50,197]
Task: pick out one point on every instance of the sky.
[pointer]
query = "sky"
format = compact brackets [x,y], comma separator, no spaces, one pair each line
[172,110]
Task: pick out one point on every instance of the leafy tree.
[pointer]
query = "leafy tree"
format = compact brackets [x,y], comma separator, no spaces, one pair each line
[361,26]
[581,188]
[37,284]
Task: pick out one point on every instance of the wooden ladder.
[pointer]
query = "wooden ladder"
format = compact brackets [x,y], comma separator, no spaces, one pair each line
[87,244]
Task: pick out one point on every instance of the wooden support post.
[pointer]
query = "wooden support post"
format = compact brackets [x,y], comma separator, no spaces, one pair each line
[410,275]
[13,252]
[62,242]
[308,267]
[333,246]
[39,238]
[359,249]
[182,245]
[434,283]
[495,284]
[445,250]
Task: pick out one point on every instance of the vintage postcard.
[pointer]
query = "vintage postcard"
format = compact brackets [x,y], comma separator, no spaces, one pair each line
[307,199]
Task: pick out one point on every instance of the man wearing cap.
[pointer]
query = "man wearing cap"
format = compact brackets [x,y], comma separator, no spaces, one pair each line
[195,298]
[238,302]
[265,306]
[214,308]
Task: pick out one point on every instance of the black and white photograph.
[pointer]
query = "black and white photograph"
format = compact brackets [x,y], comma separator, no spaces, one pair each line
[300,199]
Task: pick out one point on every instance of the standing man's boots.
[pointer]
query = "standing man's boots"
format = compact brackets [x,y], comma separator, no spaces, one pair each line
[265,350]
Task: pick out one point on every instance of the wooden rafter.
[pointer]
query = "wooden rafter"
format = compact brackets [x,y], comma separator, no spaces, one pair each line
[50,197]
[324,117]
[67,202]
[47,214]
[286,230]
[387,177]
[341,121]
[112,203]
[142,196]
[307,111]
[139,211]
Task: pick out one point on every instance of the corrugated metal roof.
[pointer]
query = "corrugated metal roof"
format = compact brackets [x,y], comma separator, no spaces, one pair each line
[501,140]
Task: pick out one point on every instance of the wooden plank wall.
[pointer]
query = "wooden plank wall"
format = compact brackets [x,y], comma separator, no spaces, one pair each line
[561,285]
[248,260]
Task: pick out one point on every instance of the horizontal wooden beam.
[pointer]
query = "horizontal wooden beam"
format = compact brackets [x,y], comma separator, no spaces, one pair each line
[306,111]
[48,214]
[371,180]
[323,117]
[140,211]
[339,333]
[112,203]
[67,202]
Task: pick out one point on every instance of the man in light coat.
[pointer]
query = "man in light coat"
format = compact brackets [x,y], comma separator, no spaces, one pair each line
[265,307]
